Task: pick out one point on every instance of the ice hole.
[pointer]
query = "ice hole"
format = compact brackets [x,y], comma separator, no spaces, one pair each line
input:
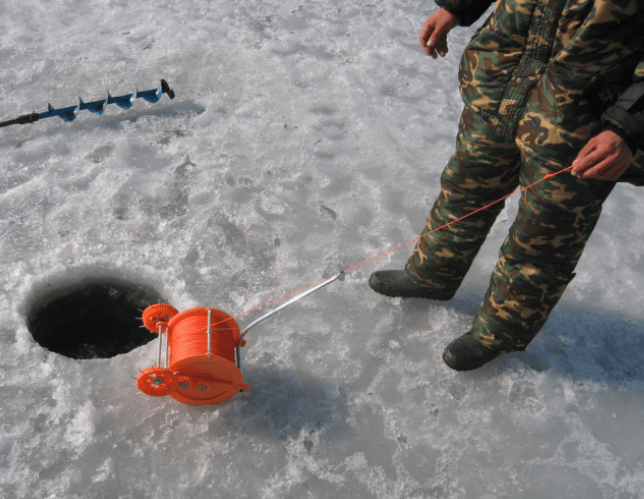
[91,317]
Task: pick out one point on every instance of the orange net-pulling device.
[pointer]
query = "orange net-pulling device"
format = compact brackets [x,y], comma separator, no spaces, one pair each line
[201,361]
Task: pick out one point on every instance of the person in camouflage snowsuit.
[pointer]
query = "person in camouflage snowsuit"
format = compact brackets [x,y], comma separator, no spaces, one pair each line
[545,83]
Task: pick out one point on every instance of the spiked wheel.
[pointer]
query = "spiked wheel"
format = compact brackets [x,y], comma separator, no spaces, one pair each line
[159,313]
[156,381]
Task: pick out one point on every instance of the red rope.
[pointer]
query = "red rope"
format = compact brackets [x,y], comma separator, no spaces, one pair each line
[402,245]
[189,339]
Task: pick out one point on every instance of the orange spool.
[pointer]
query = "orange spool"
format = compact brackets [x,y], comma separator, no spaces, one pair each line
[202,356]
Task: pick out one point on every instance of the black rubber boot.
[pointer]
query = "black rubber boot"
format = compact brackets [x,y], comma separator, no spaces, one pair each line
[466,353]
[398,283]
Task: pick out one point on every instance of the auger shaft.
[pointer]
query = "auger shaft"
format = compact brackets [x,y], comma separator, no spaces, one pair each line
[96,107]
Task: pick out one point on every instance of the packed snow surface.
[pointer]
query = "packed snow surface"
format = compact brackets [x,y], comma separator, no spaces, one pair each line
[305,137]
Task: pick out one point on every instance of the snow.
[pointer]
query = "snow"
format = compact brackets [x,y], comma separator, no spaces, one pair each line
[305,138]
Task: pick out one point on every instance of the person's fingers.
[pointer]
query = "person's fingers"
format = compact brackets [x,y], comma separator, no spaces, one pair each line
[441,46]
[599,171]
[438,37]
[425,34]
[610,168]
[429,49]
[587,157]
[590,146]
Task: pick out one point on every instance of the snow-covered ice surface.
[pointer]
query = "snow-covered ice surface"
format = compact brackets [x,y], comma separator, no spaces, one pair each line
[305,137]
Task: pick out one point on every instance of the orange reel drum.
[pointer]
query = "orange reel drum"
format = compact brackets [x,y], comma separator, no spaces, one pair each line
[202,365]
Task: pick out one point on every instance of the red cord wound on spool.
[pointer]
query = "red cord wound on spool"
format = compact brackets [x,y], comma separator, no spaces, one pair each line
[198,377]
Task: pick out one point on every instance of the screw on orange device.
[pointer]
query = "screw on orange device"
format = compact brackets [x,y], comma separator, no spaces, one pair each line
[202,359]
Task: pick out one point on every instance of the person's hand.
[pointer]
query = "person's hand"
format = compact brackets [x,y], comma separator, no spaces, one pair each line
[433,37]
[605,157]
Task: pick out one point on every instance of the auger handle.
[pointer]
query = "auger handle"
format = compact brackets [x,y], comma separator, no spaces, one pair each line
[27,118]
[165,88]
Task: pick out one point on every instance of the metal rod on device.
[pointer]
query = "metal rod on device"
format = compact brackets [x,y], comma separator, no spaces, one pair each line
[209,332]
[160,344]
[340,277]
[167,347]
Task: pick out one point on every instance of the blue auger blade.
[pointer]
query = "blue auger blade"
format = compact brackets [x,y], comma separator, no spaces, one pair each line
[152,96]
[122,101]
[66,113]
[96,107]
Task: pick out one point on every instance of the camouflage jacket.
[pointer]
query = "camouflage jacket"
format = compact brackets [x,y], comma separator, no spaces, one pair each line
[574,67]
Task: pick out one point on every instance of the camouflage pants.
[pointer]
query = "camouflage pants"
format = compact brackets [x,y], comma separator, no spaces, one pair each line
[545,242]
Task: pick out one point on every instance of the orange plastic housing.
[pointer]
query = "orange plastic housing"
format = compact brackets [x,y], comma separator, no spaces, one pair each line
[194,375]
